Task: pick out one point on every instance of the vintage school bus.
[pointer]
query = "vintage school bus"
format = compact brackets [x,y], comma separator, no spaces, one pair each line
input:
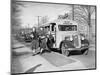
[66,36]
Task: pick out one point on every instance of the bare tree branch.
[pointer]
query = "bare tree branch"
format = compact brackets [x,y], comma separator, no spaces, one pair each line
[82,9]
[82,16]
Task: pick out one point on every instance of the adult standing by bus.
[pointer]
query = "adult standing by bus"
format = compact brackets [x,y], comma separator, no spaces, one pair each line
[42,40]
[50,41]
[46,41]
[35,43]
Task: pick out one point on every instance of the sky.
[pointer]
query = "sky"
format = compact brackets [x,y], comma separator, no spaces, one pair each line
[30,11]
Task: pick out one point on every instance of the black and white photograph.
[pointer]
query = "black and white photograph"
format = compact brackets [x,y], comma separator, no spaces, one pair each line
[52,37]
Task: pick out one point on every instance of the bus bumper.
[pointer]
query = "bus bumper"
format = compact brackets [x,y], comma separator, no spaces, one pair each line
[77,51]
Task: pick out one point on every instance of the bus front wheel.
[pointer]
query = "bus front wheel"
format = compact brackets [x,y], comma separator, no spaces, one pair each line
[64,50]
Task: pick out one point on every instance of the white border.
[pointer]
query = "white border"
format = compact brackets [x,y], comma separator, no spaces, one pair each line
[5,37]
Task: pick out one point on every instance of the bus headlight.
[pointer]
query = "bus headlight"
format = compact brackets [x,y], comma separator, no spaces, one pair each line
[67,38]
[71,38]
[32,36]
[82,38]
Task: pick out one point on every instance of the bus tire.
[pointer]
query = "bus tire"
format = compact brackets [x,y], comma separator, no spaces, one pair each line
[64,50]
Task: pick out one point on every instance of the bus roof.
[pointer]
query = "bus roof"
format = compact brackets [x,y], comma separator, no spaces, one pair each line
[60,21]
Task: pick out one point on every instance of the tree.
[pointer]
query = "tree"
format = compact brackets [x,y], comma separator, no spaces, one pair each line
[83,13]
[15,13]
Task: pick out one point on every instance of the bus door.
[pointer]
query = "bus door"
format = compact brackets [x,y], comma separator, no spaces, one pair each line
[53,31]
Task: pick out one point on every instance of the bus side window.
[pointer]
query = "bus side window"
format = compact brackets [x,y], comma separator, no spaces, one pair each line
[47,28]
[53,26]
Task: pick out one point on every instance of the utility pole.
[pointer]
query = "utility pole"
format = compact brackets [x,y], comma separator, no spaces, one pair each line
[38,19]
[73,12]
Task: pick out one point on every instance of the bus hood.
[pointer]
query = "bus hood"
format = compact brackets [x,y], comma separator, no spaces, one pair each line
[72,35]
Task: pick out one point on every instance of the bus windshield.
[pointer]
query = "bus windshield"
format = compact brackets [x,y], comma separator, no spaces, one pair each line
[67,27]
